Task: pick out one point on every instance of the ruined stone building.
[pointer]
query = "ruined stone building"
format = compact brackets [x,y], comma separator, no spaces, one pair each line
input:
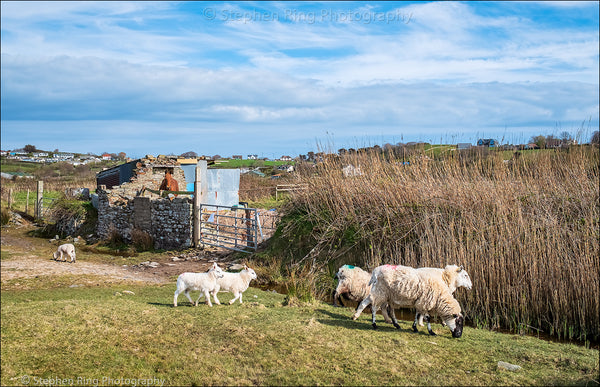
[128,199]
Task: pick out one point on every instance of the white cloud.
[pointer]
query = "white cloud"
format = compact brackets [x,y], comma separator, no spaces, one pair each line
[447,67]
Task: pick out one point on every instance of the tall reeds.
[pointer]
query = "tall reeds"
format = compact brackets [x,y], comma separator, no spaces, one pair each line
[526,229]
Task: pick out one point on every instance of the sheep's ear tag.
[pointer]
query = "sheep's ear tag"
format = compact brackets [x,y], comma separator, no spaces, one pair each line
[350,266]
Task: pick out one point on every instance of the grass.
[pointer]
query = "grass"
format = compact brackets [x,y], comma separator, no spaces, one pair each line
[250,163]
[95,333]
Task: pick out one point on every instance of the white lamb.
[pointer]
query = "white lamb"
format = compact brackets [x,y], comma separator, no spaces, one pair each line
[236,283]
[204,282]
[405,287]
[63,251]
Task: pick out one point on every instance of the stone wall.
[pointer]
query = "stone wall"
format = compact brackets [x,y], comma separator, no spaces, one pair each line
[168,222]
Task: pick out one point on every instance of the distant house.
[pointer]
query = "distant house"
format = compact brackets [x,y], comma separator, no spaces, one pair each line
[351,170]
[487,142]
[252,157]
[236,157]
[40,154]
[531,146]
[285,158]
[106,156]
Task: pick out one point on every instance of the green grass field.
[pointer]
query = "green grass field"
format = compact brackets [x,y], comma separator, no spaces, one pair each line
[89,333]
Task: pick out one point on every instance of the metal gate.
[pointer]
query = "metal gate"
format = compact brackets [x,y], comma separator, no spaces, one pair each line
[234,228]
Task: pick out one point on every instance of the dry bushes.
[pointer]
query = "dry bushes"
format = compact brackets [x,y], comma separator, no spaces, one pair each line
[526,229]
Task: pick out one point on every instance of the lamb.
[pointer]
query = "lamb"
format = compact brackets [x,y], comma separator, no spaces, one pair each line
[66,249]
[236,283]
[403,286]
[204,282]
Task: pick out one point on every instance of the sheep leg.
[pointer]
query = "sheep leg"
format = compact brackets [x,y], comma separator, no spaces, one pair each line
[393,315]
[215,298]
[414,326]
[431,332]
[207,295]
[367,301]
[235,297]
[175,298]
[187,294]
[385,312]
[374,313]
[336,297]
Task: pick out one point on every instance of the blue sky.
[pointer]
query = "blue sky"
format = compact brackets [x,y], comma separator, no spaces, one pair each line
[285,78]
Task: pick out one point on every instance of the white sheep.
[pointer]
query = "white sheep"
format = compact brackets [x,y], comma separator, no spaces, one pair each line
[63,251]
[452,275]
[204,282]
[236,283]
[405,287]
[354,285]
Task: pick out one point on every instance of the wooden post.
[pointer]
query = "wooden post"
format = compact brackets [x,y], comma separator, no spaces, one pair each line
[200,190]
[27,203]
[39,201]
[10,192]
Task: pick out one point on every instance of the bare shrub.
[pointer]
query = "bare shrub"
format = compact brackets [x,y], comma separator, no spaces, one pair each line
[114,239]
[141,240]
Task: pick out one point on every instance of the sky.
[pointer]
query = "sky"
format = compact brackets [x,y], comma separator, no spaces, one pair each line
[286,78]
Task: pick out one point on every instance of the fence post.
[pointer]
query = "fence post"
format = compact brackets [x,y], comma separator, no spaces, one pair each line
[40,199]
[200,185]
[10,194]
[27,203]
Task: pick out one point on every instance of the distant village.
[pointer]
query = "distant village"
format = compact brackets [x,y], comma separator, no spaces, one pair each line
[82,159]
[38,156]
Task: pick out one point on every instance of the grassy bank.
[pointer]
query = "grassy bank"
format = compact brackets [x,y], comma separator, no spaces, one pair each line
[95,333]
[526,229]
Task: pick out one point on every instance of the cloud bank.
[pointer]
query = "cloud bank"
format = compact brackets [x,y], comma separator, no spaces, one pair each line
[276,78]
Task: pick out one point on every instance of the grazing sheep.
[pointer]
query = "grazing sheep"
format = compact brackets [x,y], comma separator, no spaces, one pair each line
[236,283]
[404,287]
[452,275]
[65,250]
[204,282]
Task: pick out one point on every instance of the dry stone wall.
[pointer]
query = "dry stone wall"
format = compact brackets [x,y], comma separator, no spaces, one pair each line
[168,222]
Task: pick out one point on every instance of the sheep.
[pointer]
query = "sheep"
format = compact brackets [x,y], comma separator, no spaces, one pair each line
[65,249]
[236,283]
[452,275]
[204,282]
[403,286]
[354,285]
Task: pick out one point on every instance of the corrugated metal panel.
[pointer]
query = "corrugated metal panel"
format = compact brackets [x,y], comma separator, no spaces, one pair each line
[223,184]
[223,187]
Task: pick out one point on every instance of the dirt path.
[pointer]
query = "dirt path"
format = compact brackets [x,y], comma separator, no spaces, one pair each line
[32,266]
[30,257]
